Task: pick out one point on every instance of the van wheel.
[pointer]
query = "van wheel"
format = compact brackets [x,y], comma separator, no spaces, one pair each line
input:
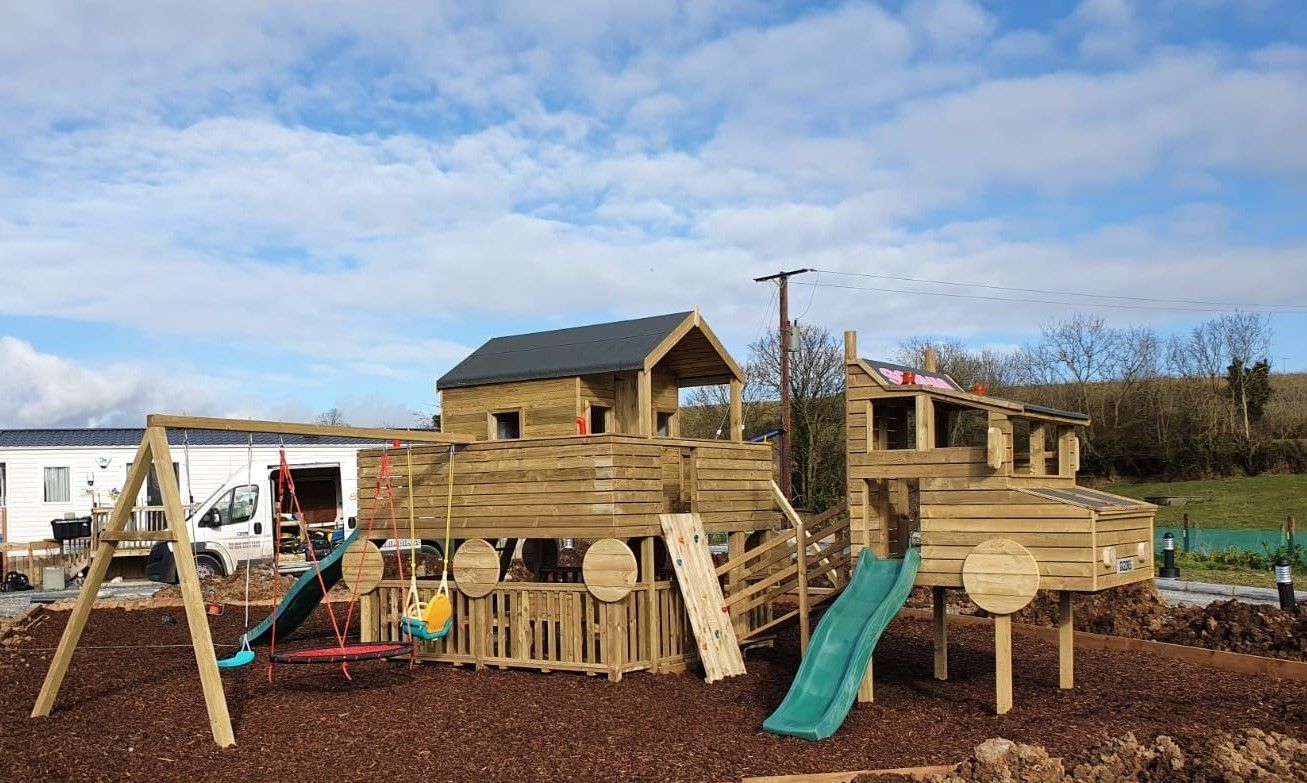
[207,566]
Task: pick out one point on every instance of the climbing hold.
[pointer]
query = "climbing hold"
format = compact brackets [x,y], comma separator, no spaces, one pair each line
[696,538]
[717,634]
[678,561]
[726,610]
[703,646]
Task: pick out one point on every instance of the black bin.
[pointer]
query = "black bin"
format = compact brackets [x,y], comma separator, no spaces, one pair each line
[69,529]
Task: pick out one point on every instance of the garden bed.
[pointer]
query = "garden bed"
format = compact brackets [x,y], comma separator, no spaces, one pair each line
[144,710]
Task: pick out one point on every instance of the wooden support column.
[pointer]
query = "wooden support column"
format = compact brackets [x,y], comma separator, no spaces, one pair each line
[1066,634]
[737,410]
[734,579]
[1038,449]
[651,620]
[925,414]
[801,545]
[939,615]
[1003,663]
[192,598]
[866,690]
[644,403]
[1068,451]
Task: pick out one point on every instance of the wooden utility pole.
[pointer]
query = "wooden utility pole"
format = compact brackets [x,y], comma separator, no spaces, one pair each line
[783,280]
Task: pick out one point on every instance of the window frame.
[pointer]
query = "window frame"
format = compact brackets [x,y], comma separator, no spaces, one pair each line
[492,422]
[68,483]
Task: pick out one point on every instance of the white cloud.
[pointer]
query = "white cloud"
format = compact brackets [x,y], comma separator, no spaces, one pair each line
[951,24]
[1110,28]
[42,390]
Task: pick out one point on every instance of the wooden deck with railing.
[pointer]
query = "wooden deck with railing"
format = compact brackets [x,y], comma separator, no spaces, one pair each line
[548,626]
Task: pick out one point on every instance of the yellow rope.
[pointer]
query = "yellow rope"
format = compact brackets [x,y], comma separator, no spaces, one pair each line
[449,517]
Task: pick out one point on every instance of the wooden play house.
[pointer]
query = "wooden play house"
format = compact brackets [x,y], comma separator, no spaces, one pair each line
[577,437]
[960,468]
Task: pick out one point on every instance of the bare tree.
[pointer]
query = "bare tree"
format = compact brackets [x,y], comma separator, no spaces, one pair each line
[817,407]
[332,417]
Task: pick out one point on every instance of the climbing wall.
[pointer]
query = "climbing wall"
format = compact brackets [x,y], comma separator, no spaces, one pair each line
[688,545]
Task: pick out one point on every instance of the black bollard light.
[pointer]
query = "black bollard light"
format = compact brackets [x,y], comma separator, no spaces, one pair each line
[1169,571]
[1284,583]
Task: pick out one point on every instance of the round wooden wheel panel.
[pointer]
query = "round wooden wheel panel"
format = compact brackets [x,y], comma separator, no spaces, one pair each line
[1000,576]
[476,568]
[609,570]
[361,566]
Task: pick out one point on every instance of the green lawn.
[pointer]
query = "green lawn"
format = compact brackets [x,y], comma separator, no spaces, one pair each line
[1253,503]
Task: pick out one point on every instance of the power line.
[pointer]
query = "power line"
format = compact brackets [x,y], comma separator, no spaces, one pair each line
[993,287]
[1019,300]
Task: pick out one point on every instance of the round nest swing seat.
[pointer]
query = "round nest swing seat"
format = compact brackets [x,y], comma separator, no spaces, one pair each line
[343,653]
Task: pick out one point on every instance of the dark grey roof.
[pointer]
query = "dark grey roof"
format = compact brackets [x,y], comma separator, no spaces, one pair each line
[105,437]
[1054,411]
[561,353]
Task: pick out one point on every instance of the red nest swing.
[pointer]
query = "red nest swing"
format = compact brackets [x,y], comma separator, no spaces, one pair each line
[342,652]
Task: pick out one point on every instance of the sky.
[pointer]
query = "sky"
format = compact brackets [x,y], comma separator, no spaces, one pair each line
[271,209]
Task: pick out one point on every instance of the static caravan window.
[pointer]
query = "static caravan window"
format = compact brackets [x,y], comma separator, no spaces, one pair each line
[3,494]
[153,494]
[507,425]
[58,488]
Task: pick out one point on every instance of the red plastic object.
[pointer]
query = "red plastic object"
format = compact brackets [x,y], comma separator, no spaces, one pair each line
[909,378]
[343,654]
[580,426]
[978,388]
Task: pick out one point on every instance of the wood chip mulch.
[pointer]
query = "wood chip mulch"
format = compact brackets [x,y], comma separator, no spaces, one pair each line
[137,713]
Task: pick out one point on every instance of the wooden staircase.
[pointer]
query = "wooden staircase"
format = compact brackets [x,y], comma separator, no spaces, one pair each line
[786,565]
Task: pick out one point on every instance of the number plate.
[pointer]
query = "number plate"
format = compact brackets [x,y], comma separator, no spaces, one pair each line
[1125,565]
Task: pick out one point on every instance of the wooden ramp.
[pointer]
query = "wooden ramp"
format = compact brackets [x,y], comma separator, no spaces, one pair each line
[688,545]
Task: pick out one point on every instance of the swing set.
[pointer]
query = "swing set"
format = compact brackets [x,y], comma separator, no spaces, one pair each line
[424,618]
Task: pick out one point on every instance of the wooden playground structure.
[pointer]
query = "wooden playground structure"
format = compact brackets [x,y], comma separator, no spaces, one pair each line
[575,434]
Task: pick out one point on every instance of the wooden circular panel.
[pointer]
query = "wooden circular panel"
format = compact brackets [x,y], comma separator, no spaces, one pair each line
[361,566]
[609,570]
[1000,576]
[476,568]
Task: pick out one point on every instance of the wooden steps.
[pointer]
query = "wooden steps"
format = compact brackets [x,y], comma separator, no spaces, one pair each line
[719,650]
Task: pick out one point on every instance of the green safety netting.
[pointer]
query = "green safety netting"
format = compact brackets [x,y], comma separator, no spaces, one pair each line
[1205,540]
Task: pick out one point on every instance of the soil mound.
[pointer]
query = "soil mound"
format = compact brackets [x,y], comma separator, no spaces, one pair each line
[1249,756]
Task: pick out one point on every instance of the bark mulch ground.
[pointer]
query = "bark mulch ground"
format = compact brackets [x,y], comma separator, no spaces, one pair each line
[1139,612]
[136,713]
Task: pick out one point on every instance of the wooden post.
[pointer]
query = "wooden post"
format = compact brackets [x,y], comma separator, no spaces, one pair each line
[801,545]
[925,427]
[1066,634]
[939,613]
[931,360]
[867,690]
[734,551]
[1003,663]
[192,598]
[1038,449]
[644,403]
[737,410]
[651,624]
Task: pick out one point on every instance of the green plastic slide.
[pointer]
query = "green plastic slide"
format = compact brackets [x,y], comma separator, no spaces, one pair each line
[303,598]
[827,681]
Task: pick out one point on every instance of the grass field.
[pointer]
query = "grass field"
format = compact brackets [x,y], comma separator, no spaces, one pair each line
[1247,503]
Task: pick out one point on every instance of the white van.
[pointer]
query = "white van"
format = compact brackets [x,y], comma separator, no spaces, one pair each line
[235,523]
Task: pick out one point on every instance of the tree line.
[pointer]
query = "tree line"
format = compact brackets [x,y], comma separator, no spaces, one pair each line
[1200,404]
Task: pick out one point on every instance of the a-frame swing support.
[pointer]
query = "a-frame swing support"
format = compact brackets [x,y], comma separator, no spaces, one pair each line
[154,452]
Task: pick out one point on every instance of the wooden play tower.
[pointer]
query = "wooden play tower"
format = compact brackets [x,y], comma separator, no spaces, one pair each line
[989,487]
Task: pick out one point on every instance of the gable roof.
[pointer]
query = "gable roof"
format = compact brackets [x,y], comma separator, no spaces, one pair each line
[107,437]
[580,350]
